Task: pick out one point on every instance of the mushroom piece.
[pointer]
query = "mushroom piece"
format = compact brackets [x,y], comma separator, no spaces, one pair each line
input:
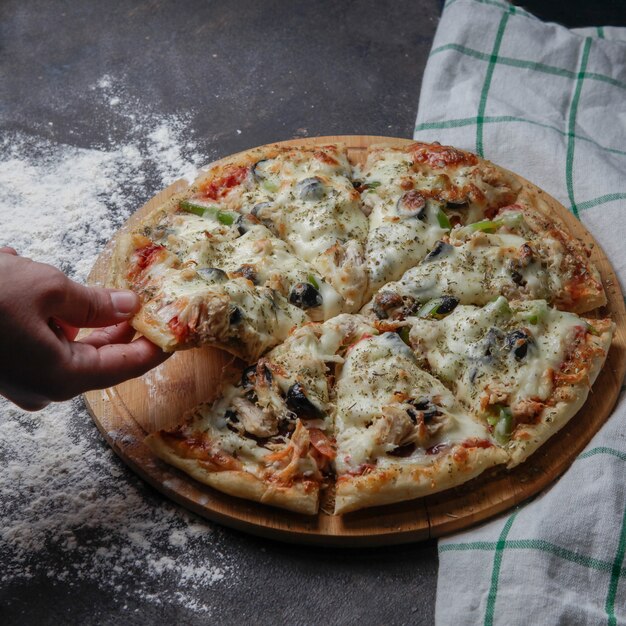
[255,421]
[212,274]
[266,389]
[403,424]
[412,204]
[384,302]
[311,189]
[247,271]
[394,426]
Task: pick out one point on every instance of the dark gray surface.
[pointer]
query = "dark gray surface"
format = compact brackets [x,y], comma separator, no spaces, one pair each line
[274,70]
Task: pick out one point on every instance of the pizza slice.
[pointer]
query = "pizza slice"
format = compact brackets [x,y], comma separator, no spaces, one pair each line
[270,438]
[305,196]
[523,368]
[518,254]
[400,433]
[415,194]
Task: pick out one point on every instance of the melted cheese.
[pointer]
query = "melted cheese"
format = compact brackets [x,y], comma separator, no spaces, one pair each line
[468,349]
[477,271]
[266,316]
[375,371]
[316,224]
[306,355]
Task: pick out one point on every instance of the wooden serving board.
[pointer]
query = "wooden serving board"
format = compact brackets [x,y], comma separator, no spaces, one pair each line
[126,413]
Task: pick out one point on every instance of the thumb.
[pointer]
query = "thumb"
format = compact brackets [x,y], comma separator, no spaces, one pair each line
[94,307]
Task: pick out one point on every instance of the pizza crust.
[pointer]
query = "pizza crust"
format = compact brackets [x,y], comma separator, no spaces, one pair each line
[592,294]
[528,438]
[399,483]
[301,497]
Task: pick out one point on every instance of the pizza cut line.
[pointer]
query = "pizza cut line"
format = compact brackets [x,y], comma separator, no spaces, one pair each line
[407,324]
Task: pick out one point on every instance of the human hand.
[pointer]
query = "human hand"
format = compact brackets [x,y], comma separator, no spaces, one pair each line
[41,312]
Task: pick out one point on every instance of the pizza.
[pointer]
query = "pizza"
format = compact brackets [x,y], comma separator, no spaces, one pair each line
[256,246]
[406,324]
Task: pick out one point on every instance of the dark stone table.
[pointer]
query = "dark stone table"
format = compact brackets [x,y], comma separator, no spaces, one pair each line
[243,73]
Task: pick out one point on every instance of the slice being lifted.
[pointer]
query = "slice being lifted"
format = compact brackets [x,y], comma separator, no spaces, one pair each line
[210,268]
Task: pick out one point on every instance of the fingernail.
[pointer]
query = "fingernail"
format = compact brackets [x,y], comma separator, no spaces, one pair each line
[124,302]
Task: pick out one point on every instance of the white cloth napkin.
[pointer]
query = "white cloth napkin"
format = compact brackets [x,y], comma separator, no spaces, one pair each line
[550,104]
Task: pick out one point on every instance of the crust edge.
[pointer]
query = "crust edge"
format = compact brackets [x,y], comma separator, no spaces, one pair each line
[241,484]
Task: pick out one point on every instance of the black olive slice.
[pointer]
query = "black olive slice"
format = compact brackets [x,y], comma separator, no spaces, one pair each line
[248,377]
[448,304]
[427,407]
[259,207]
[300,404]
[305,296]
[235,316]
[212,274]
[243,224]
[518,342]
[441,250]
[257,170]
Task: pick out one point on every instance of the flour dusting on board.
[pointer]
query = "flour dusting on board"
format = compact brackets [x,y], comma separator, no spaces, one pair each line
[70,511]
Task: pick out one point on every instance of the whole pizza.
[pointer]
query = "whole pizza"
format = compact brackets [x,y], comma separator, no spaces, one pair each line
[406,324]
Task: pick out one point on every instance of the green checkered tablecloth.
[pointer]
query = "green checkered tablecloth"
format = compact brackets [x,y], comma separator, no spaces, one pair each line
[550,104]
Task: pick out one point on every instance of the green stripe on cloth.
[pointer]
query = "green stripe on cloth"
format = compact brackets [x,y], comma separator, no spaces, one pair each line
[482,56]
[482,105]
[569,160]
[609,197]
[616,572]
[530,65]
[495,574]
[498,119]
[534,544]
[600,30]
[603,450]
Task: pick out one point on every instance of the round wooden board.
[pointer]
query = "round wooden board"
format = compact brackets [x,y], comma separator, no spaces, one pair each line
[126,413]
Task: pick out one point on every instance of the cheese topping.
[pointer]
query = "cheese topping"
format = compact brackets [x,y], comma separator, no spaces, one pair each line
[384,399]
[498,354]
[311,204]
[265,248]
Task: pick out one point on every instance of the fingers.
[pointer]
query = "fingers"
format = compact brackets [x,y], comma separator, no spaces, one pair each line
[29,402]
[120,333]
[99,367]
[93,307]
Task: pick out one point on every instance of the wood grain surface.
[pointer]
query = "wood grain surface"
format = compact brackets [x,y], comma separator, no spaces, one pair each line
[126,413]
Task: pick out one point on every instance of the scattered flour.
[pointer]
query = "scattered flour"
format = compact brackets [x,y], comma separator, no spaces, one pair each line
[68,511]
